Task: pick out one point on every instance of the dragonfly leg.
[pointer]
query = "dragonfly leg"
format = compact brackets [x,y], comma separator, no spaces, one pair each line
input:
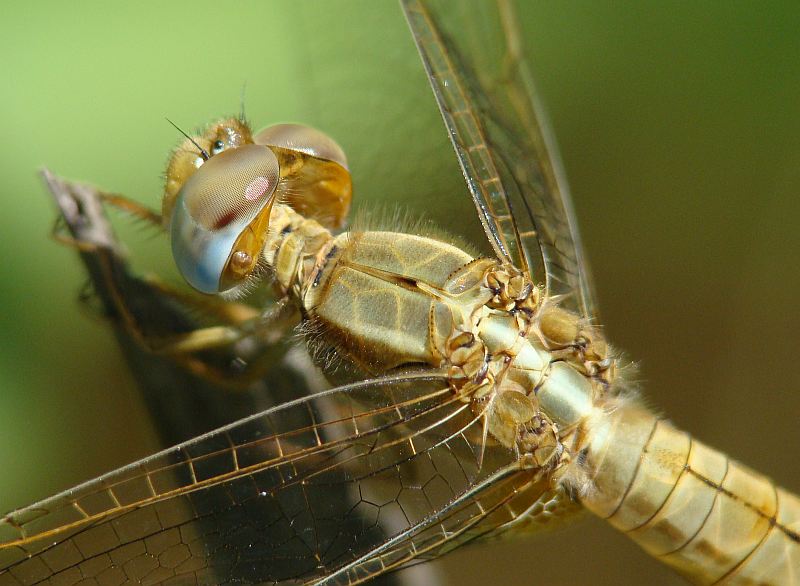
[238,321]
[62,232]
[131,207]
[59,233]
[249,338]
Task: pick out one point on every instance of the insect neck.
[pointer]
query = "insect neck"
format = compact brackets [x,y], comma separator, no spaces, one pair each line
[293,248]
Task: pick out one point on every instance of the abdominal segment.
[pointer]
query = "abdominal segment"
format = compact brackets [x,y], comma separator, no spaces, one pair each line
[690,506]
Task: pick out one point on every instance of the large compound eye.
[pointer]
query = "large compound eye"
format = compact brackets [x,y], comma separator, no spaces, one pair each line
[221,216]
[304,139]
[316,179]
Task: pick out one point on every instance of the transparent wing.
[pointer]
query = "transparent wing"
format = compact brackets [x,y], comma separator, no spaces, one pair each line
[472,54]
[319,487]
[491,509]
[477,512]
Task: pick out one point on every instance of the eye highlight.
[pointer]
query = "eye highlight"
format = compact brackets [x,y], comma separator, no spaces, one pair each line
[257,188]
[221,215]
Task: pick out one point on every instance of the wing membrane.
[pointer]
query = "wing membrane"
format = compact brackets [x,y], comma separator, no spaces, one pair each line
[467,517]
[289,495]
[472,54]
[509,502]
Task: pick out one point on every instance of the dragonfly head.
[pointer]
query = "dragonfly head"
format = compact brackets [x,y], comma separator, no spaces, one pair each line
[221,186]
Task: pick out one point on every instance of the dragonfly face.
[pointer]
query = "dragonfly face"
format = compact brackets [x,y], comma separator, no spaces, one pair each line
[217,201]
[508,171]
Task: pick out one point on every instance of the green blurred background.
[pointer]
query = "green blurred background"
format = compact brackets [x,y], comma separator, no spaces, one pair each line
[679,127]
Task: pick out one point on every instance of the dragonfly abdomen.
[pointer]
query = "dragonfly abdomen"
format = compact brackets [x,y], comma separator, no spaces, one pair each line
[711,518]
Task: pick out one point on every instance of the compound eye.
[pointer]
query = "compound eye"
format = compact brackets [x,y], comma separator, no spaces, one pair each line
[221,216]
[304,139]
[317,181]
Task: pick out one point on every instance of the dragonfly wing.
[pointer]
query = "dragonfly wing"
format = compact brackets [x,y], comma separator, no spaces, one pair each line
[474,513]
[293,494]
[486,511]
[472,54]
[509,503]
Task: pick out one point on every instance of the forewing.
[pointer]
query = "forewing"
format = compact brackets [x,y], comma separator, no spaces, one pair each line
[289,495]
[472,54]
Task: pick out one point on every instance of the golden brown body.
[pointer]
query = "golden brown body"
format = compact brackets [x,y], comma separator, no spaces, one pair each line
[712,519]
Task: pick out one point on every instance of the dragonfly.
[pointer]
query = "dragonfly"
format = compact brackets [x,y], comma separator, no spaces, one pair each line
[479,433]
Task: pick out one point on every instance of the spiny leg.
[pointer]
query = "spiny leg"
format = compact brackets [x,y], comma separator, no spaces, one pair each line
[240,320]
[243,332]
[130,207]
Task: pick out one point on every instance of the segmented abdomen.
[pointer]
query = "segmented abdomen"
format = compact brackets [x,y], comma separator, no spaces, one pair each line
[711,518]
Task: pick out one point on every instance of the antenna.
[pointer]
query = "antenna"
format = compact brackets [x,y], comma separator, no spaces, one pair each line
[203,152]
